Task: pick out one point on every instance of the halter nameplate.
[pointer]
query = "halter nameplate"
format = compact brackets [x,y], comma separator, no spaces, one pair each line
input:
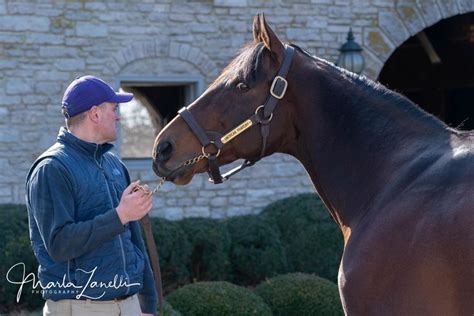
[236,131]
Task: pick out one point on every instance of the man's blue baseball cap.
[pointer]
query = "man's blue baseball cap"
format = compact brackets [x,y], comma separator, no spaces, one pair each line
[87,91]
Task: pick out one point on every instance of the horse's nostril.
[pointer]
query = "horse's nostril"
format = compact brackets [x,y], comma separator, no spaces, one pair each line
[164,150]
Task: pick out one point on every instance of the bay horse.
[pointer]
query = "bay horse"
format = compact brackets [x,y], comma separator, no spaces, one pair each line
[397,181]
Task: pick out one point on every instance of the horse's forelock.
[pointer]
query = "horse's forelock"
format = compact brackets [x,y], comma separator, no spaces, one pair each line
[245,66]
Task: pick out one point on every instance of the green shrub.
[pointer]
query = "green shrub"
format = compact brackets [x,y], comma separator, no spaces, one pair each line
[300,294]
[256,251]
[217,298]
[312,240]
[210,242]
[174,252]
[15,247]
[168,310]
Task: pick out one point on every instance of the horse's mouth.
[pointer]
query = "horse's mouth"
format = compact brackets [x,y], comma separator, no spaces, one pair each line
[181,175]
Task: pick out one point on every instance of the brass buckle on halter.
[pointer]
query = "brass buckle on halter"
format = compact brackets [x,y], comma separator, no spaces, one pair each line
[278,80]
[213,143]
[262,119]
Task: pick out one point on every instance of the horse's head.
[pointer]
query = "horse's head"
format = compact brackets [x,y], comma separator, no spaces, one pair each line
[212,125]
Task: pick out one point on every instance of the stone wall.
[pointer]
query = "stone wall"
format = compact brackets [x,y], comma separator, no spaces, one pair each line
[45,45]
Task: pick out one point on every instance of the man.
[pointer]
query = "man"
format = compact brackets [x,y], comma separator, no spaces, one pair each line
[83,213]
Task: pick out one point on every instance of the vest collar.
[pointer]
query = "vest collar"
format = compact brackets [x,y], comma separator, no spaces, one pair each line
[91,149]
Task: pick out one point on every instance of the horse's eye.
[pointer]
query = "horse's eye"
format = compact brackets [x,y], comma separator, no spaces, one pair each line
[242,87]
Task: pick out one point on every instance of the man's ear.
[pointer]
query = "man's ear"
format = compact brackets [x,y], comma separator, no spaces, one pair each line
[93,114]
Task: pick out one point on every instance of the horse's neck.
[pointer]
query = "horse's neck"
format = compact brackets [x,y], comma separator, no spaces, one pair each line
[354,141]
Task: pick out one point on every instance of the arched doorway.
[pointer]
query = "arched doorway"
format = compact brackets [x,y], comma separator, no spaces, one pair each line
[435,69]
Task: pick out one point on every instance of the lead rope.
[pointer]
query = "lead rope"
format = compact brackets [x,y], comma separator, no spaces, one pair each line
[151,245]
[150,239]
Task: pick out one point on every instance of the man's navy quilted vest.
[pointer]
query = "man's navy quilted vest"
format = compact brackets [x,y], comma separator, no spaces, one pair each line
[98,178]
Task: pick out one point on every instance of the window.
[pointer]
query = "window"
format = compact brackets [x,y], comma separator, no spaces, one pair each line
[155,103]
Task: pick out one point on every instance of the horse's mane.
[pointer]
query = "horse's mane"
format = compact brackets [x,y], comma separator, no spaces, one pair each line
[378,91]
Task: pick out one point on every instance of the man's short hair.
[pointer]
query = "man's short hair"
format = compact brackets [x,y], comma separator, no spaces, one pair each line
[75,120]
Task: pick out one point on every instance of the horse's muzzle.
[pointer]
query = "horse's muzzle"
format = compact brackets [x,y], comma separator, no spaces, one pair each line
[164,150]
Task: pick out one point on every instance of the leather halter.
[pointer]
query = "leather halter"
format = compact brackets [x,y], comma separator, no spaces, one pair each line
[263,115]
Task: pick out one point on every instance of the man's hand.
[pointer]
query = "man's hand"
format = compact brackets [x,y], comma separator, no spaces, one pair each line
[134,205]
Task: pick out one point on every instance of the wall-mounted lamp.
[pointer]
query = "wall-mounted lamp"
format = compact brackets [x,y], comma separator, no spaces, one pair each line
[351,55]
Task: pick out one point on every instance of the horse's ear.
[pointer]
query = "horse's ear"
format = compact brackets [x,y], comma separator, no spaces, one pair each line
[263,33]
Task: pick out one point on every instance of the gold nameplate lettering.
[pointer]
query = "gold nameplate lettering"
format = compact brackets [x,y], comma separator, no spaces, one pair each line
[236,131]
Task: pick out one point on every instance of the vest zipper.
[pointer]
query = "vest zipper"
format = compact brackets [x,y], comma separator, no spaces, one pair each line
[68,268]
[112,204]
[124,264]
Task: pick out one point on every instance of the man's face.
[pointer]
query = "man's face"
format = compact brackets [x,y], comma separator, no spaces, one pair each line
[108,119]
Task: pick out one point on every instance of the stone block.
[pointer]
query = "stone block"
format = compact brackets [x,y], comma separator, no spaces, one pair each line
[42,38]
[183,51]
[448,8]
[171,201]
[429,11]
[194,54]
[6,191]
[259,195]
[15,8]
[78,15]
[176,17]
[36,100]
[410,16]
[4,164]
[465,6]
[224,191]
[8,64]
[9,134]
[68,64]
[78,41]
[299,34]
[288,169]
[49,11]
[58,51]
[393,27]
[340,12]
[24,23]
[174,213]
[54,75]
[197,211]
[95,6]
[200,201]
[184,201]
[218,213]
[48,87]
[12,37]
[3,112]
[237,200]
[219,201]
[378,43]
[239,211]
[162,7]
[231,3]
[174,49]
[19,86]
[207,193]
[91,30]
